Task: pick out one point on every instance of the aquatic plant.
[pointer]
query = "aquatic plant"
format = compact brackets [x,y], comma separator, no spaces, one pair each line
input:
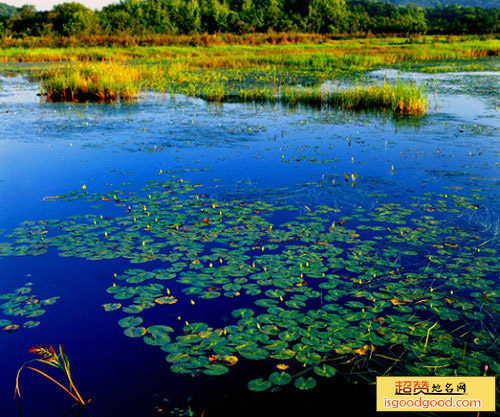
[95,82]
[22,303]
[109,82]
[294,49]
[50,357]
[252,74]
[400,97]
[328,291]
[249,73]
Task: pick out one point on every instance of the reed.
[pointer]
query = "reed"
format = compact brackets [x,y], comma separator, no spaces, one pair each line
[91,82]
[49,356]
[113,81]
[400,98]
[239,69]
[240,52]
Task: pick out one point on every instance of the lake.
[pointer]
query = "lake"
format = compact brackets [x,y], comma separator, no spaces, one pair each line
[233,259]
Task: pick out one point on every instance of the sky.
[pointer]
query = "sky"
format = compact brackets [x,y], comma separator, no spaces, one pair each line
[48,4]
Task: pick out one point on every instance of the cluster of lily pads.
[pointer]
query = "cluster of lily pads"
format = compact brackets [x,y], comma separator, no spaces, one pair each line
[384,289]
[22,303]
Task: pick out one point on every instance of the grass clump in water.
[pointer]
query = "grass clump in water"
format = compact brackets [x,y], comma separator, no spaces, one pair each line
[114,81]
[92,82]
[401,98]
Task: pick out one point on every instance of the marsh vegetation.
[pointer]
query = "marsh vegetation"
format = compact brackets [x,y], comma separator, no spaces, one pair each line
[261,222]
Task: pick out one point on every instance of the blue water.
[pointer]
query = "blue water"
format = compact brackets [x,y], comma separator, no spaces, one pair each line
[268,153]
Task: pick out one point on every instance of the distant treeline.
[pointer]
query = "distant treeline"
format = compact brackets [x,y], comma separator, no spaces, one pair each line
[148,17]
[8,11]
[432,3]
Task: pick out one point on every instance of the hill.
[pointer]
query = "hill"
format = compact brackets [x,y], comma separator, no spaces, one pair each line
[6,10]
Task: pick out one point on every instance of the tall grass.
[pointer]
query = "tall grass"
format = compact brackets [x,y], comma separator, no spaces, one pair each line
[91,82]
[354,54]
[241,71]
[225,69]
[400,98]
[112,81]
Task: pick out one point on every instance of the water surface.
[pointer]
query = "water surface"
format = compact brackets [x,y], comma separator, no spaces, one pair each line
[294,161]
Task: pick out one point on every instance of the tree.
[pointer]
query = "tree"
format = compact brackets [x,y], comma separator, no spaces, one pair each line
[70,19]
[158,16]
[216,16]
[190,21]
[359,19]
[326,16]
[272,14]
[27,11]
[249,17]
[117,20]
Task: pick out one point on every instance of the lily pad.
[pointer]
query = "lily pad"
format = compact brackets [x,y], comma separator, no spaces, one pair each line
[130,321]
[305,384]
[158,335]
[112,307]
[215,369]
[280,378]
[259,384]
[134,331]
[254,354]
[325,370]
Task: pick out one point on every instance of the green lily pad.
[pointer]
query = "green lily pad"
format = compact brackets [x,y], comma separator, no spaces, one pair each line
[215,369]
[325,370]
[130,321]
[254,354]
[134,331]
[49,301]
[182,368]
[112,306]
[158,335]
[284,354]
[134,308]
[280,378]
[242,313]
[35,313]
[259,384]
[305,384]
[308,357]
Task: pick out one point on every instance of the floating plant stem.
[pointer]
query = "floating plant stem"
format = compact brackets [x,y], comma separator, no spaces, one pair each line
[428,334]
[50,379]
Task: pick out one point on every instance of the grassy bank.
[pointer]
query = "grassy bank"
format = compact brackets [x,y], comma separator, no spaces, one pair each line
[354,54]
[159,39]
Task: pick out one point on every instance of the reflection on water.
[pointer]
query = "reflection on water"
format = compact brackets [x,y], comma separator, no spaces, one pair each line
[467,96]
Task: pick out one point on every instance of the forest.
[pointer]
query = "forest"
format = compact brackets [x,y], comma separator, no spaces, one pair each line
[175,17]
